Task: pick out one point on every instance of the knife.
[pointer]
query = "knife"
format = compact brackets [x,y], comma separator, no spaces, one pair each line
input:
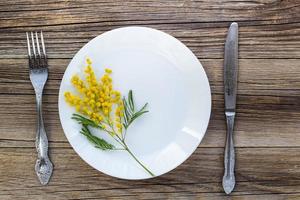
[230,91]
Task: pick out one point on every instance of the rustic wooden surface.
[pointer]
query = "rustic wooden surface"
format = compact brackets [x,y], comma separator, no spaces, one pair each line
[268,122]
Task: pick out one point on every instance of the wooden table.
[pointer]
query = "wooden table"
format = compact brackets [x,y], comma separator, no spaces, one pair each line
[267,131]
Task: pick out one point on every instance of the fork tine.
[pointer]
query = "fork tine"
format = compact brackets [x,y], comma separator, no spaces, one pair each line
[33,46]
[43,44]
[37,43]
[28,45]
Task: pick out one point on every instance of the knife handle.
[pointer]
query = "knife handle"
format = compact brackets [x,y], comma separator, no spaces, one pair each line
[229,157]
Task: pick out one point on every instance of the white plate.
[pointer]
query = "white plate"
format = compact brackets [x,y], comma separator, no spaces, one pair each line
[161,71]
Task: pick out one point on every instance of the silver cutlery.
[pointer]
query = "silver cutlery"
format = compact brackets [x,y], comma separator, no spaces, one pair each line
[38,73]
[230,92]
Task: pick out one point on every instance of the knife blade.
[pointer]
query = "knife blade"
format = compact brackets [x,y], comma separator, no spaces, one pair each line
[230,92]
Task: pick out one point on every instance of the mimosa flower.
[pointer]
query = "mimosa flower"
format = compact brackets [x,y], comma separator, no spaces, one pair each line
[102,107]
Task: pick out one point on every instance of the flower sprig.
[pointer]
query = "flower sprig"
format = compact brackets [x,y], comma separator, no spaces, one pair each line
[101,107]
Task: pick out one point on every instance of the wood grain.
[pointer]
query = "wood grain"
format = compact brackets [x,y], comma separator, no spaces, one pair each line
[267,128]
[265,25]
[268,103]
[256,41]
[199,177]
[24,13]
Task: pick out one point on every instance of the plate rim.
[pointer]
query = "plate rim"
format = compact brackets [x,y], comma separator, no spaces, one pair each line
[209,101]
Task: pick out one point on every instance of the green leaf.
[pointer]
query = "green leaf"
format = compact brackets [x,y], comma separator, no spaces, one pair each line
[130,101]
[85,121]
[144,107]
[136,115]
[125,125]
[102,144]
[98,142]
[129,114]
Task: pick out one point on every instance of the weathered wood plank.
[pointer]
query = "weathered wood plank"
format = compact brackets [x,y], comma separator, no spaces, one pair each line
[260,77]
[200,176]
[262,41]
[126,194]
[268,104]
[24,13]
[261,126]
[268,101]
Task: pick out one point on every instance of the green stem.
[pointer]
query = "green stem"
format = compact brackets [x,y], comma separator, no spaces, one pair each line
[135,158]
[119,149]
[124,135]
[112,135]
[122,142]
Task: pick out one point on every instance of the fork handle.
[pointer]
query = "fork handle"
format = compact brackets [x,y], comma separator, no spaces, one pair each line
[229,156]
[43,166]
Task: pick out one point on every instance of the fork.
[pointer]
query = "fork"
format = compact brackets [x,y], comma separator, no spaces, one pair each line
[38,73]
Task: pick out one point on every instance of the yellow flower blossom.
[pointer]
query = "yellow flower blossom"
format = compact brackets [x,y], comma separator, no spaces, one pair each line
[78,84]
[88,61]
[109,71]
[97,99]
[105,111]
[118,125]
